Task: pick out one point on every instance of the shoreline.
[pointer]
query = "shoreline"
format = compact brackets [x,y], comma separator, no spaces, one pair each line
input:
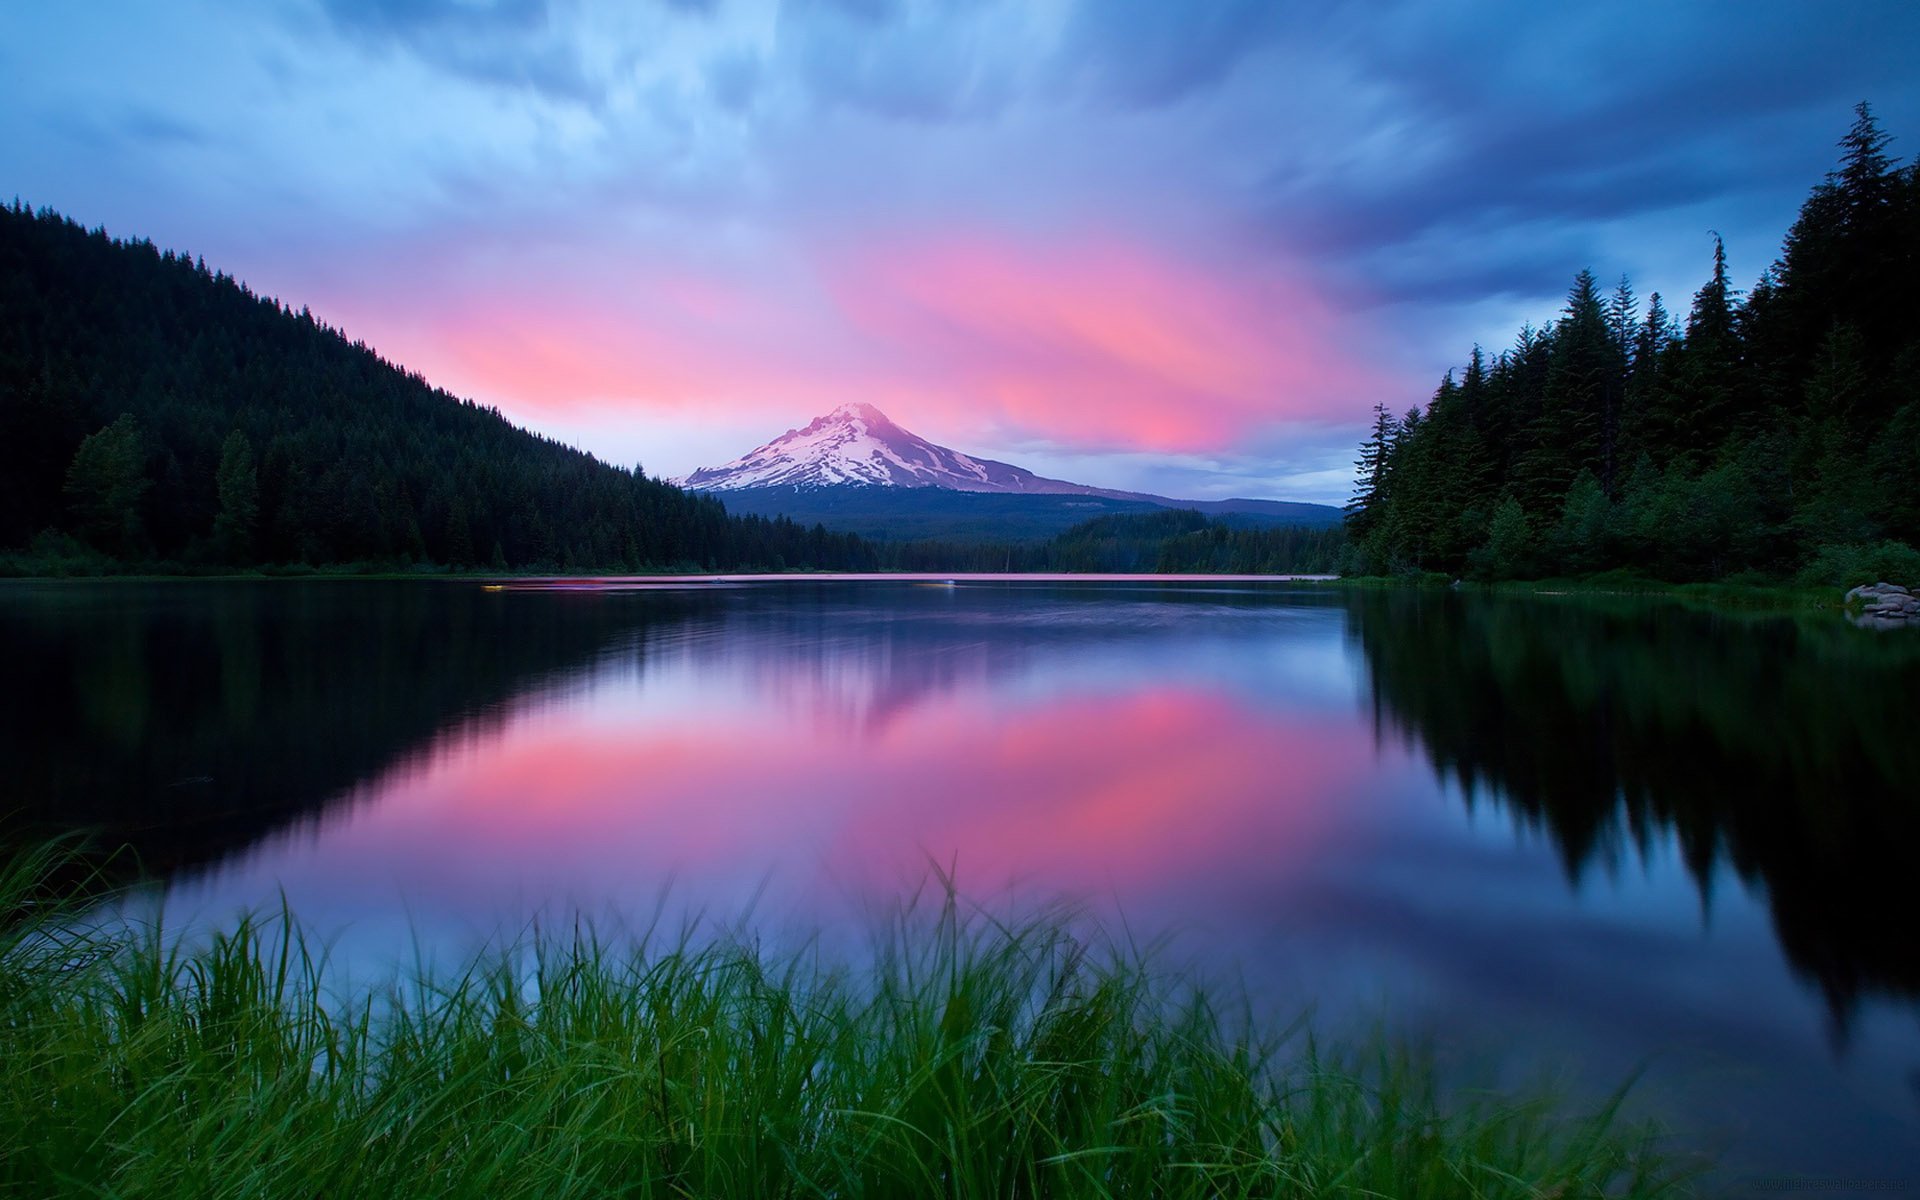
[1604,584]
[970,1056]
[1757,598]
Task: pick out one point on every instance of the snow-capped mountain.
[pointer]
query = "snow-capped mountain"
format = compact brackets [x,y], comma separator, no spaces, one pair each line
[856,444]
[854,470]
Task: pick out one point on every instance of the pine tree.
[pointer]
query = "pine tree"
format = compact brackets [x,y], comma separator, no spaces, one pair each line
[1623,312]
[1573,425]
[1866,179]
[105,486]
[1373,463]
[1846,258]
[1508,552]
[1653,337]
[1712,317]
[238,486]
[1709,360]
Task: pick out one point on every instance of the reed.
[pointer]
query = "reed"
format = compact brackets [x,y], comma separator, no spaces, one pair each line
[965,1057]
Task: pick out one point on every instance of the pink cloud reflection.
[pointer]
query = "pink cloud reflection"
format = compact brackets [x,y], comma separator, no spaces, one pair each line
[1135,794]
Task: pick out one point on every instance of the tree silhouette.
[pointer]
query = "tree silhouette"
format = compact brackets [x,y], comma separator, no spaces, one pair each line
[1778,433]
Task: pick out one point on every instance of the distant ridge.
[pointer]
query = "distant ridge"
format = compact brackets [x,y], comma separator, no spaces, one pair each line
[855,468]
[858,445]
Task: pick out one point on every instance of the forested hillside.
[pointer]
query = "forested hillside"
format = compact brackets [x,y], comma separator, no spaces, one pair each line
[1163,541]
[154,413]
[941,514]
[1775,432]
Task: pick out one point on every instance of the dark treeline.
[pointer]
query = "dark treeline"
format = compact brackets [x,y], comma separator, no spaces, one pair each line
[1762,750]
[1168,541]
[1775,433]
[158,414]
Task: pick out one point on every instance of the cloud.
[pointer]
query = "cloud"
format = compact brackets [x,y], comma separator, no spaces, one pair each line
[1147,52]
[1209,235]
[1099,342]
[733,79]
[928,63]
[1563,124]
[151,126]
[415,17]
[515,43]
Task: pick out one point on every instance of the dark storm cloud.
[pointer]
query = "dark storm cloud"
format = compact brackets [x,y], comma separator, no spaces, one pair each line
[949,63]
[1586,169]
[134,130]
[1149,52]
[1538,269]
[153,127]
[872,12]
[1549,119]
[501,42]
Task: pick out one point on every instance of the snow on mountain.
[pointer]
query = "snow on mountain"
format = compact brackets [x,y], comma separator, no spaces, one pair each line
[854,465]
[856,444]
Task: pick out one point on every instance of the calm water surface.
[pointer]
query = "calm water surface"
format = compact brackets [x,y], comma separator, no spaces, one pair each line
[1599,836]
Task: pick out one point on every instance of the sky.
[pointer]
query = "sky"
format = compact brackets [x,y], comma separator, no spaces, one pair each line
[1181,247]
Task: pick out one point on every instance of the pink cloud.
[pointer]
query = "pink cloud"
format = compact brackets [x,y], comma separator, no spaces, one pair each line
[1101,343]
[1097,343]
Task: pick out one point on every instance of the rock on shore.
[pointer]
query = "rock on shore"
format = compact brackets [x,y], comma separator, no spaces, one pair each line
[1884,606]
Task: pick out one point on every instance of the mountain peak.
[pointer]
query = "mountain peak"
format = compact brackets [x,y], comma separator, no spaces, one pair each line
[857,444]
[860,409]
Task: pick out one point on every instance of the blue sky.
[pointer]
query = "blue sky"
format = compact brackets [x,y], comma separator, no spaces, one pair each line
[1175,246]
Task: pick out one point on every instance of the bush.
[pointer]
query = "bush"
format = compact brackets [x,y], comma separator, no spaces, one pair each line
[1584,538]
[1847,566]
[1509,551]
[56,554]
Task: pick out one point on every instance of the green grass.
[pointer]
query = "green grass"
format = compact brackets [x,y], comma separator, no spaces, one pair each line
[968,1057]
[1739,593]
[1752,593]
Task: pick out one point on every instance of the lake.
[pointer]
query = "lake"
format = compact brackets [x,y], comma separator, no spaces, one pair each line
[1582,836]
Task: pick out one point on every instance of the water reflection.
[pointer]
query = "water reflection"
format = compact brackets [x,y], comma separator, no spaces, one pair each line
[191,719]
[1090,736]
[837,745]
[1783,751]
[1625,833]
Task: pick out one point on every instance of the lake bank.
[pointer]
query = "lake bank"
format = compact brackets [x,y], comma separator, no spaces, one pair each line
[1772,597]
[972,1056]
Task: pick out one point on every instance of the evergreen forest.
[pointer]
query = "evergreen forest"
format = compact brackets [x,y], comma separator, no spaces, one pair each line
[1770,434]
[157,415]
[1167,541]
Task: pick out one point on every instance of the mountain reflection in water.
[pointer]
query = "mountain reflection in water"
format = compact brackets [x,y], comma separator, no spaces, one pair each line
[1699,823]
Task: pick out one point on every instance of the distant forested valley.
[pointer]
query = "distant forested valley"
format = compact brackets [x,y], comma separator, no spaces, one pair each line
[1774,434]
[1164,542]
